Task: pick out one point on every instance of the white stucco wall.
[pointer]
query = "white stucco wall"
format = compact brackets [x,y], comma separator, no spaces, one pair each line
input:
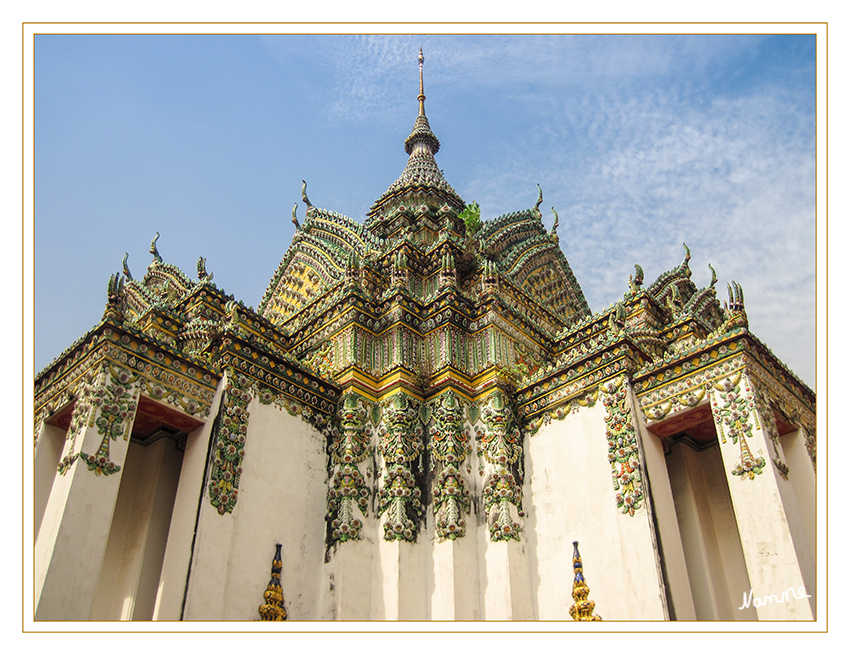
[715,563]
[568,496]
[178,549]
[572,498]
[801,477]
[773,540]
[132,562]
[672,554]
[282,499]
[77,518]
[48,452]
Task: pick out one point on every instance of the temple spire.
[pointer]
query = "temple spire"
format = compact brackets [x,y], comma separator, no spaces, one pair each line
[421,180]
[421,140]
[421,97]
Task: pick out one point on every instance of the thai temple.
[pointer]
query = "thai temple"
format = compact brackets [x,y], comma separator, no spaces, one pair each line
[422,420]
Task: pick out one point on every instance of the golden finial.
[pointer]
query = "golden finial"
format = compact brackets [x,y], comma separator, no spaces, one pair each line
[272,609]
[421,85]
[582,609]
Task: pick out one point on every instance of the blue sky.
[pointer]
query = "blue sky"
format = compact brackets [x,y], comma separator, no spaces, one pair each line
[640,143]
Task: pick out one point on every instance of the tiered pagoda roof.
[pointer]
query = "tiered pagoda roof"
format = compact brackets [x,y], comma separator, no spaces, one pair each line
[421,180]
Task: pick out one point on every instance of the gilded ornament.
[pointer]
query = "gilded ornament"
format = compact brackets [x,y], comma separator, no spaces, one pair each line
[273,609]
[582,608]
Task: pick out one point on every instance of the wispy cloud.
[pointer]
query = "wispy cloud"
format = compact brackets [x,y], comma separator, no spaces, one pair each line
[638,175]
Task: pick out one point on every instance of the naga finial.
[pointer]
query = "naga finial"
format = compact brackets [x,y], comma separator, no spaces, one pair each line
[304,194]
[127,273]
[555,224]
[636,282]
[736,315]
[687,254]
[114,297]
[617,319]
[202,269]
[539,198]
[115,287]
[736,297]
[294,217]
[154,251]
[232,309]
[713,276]
[674,300]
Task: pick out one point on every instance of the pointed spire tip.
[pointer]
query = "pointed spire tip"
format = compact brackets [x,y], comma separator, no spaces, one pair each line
[421,96]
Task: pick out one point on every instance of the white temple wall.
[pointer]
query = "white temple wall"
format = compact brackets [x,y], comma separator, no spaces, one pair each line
[169,462]
[775,547]
[667,524]
[470,578]
[715,564]
[729,555]
[505,579]
[400,583]
[48,452]
[573,499]
[454,576]
[690,530]
[178,549]
[799,525]
[348,579]
[282,499]
[77,519]
[133,559]
[802,479]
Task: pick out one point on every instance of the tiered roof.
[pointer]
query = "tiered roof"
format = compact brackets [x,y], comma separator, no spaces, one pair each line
[421,180]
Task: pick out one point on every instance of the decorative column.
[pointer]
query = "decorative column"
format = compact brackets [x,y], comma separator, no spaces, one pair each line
[401,446]
[448,447]
[456,589]
[507,594]
[401,593]
[500,445]
[348,496]
[636,522]
[350,567]
[777,557]
[78,516]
